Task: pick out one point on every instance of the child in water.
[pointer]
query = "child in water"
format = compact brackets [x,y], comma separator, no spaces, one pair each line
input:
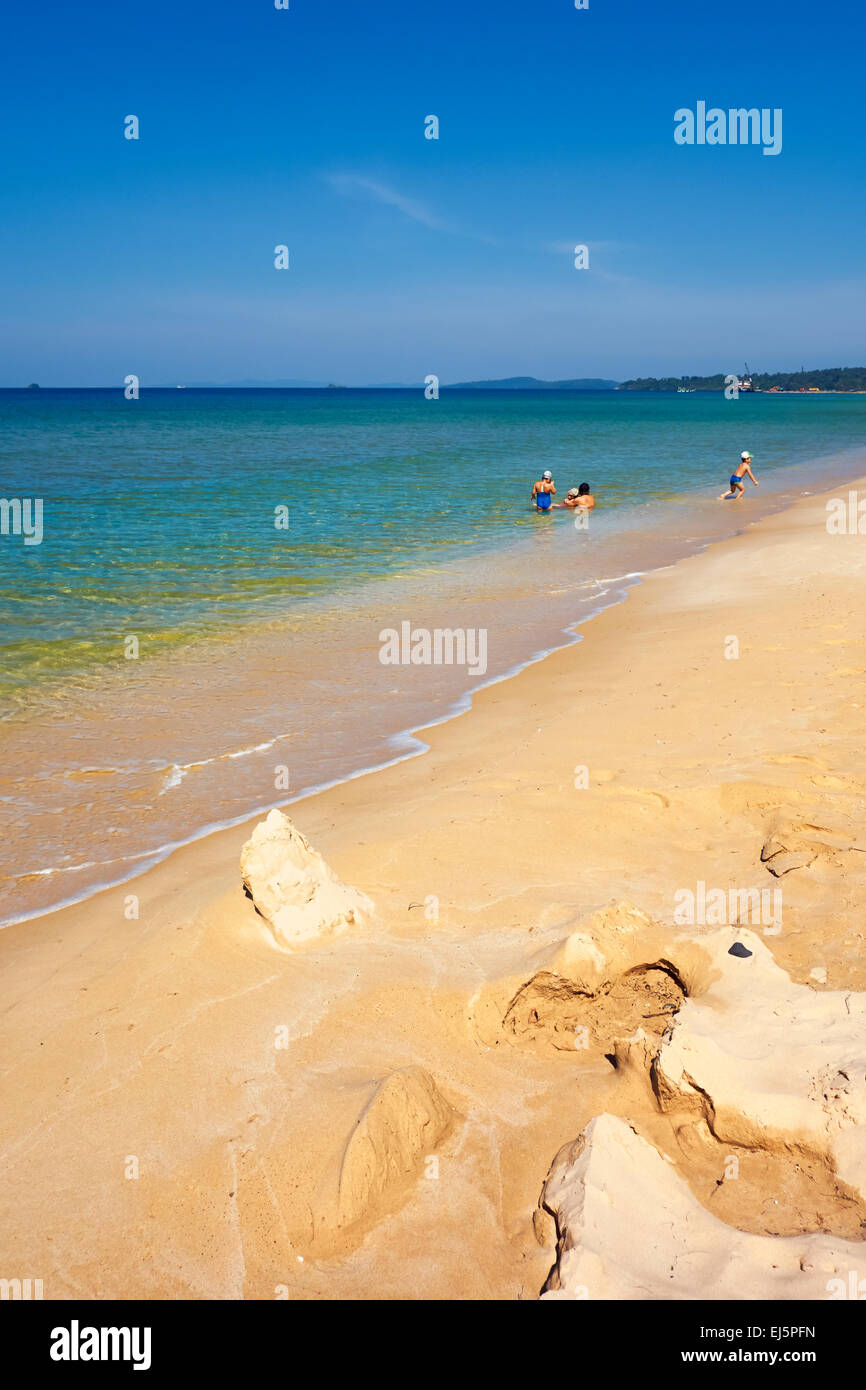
[736,485]
[579,497]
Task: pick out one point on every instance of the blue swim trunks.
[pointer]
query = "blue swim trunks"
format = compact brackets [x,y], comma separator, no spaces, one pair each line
[736,481]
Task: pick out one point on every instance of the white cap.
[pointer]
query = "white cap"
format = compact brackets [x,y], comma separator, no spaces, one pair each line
[547,474]
[745,454]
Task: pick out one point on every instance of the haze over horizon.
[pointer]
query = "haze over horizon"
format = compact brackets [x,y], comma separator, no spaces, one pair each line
[305,127]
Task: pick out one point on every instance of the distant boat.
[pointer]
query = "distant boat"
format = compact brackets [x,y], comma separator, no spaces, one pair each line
[745,382]
[180,388]
[685,390]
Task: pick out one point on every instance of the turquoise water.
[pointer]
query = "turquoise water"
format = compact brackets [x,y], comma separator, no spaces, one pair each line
[159,513]
[258,674]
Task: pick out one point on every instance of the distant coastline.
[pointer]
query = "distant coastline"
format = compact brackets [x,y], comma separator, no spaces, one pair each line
[820,381]
[823,380]
[532,383]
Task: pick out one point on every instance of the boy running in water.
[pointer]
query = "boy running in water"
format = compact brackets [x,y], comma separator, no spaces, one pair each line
[736,485]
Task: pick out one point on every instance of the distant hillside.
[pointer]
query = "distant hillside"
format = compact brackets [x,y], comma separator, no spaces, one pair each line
[824,378]
[253,384]
[509,383]
[532,383]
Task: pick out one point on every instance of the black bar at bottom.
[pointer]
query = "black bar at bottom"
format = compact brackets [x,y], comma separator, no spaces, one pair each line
[77,1338]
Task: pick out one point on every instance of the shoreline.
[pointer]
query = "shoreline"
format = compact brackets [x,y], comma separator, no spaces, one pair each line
[395,746]
[409,735]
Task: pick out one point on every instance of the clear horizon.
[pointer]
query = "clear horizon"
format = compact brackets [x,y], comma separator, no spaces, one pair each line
[299,385]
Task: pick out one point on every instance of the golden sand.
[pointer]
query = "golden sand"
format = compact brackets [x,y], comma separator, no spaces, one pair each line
[194,1111]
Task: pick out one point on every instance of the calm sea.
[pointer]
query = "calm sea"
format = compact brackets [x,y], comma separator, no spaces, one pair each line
[200,623]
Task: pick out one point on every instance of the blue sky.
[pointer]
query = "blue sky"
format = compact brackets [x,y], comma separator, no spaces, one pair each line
[412,256]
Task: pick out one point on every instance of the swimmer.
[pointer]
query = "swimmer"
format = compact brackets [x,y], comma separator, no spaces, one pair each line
[578,497]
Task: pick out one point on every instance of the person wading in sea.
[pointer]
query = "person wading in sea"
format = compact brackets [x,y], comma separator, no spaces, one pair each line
[543,492]
[578,497]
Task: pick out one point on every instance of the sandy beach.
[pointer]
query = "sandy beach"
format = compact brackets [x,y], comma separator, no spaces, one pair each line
[196,1109]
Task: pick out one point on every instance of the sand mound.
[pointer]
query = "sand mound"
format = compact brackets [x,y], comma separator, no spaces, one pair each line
[342,1156]
[619,918]
[292,886]
[770,1063]
[601,983]
[604,941]
[610,1184]
[795,843]
[722,1032]
[620,938]
[551,1013]
[399,1128]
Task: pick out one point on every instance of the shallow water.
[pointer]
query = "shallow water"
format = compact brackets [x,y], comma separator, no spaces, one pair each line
[258,674]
